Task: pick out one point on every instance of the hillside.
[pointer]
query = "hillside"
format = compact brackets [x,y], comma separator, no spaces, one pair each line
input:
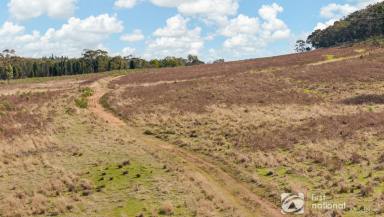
[209,140]
[358,26]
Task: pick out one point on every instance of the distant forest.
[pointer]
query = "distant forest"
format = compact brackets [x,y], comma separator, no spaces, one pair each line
[92,61]
[358,26]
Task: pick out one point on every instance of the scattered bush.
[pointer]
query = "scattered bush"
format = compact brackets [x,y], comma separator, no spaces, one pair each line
[329,57]
[355,158]
[166,208]
[81,102]
[87,92]
[366,191]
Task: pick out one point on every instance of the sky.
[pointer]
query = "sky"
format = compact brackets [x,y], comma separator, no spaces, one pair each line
[211,29]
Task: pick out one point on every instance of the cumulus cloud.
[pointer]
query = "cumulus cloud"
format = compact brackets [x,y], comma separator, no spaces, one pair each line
[273,27]
[135,36]
[242,25]
[241,32]
[9,29]
[27,9]
[248,35]
[69,40]
[125,3]
[333,10]
[170,3]
[175,39]
[216,11]
[128,51]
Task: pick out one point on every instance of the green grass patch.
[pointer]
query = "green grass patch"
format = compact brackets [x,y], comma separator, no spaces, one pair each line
[5,106]
[117,176]
[123,179]
[81,102]
[87,92]
[311,92]
[132,207]
[329,57]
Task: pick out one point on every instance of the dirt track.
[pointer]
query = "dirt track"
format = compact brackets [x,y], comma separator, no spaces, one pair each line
[222,185]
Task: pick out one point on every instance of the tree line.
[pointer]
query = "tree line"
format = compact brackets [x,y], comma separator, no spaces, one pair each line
[358,26]
[91,61]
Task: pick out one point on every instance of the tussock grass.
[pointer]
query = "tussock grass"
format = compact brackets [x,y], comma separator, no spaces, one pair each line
[329,143]
[82,101]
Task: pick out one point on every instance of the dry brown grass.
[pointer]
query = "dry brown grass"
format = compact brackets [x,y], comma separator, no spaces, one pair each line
[293,127]
[24,114]
[274,124]
[232,68]
[196,96]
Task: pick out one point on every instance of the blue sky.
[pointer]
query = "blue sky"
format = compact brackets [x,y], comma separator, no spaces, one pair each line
[212,29]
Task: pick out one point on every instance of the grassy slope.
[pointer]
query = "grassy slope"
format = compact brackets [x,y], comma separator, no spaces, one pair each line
[286,126]
[70,164]
[291,123]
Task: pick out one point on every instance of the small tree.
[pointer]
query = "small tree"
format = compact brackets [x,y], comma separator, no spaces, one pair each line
[219,61]
[155,63]
[193,60]
[9,72]
[300,46]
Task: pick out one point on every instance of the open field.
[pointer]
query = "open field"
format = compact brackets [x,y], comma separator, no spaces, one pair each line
[211,140]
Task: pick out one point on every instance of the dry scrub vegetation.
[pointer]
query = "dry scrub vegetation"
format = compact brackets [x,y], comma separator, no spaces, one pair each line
[57,158]
[291,123]
[297,123]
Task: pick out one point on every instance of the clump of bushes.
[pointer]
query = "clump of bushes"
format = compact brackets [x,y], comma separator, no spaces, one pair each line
[82,101]
[5,106]
[87,92]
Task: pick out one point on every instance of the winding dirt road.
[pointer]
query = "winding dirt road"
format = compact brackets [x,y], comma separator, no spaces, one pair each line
[221,184]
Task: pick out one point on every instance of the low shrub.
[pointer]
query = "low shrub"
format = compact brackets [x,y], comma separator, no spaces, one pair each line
[166,208]
[81,102]
[329,57]
[87,92]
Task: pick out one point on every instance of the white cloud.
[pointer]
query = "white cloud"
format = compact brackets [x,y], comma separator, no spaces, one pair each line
[136,35]
[237,41]
[175,39]
[27,9]
[324,25]
[9,29]
[242,25]
[333,11]
[128,51]
[364,3]
[125,3]
[273,27]
[270,12]
[170,3]
[69,40]
[216,11]
[248,35]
